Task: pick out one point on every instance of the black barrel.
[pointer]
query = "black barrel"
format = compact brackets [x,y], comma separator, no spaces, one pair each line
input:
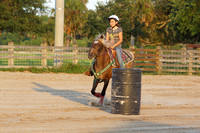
[126,91]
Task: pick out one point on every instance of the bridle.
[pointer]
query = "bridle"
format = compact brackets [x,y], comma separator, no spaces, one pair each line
[99,51]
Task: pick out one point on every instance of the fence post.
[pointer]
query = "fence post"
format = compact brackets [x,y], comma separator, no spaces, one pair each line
[184,53]
[190,70]
[159,60]
[133,51]
[198,50]
[75,51]
[44,54]
[58,56]
[11,53]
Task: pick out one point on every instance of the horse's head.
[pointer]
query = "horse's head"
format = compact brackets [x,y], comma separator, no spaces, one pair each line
[97,46]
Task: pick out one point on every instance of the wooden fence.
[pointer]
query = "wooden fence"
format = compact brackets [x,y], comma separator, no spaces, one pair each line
[157,60]
[146,59]
[41,56]
[168,61]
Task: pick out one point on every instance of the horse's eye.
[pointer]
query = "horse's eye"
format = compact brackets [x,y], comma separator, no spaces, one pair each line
[97,45]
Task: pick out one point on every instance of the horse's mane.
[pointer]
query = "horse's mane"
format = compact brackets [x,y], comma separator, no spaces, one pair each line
[102,39]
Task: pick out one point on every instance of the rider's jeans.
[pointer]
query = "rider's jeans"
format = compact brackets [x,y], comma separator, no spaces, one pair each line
[119,56]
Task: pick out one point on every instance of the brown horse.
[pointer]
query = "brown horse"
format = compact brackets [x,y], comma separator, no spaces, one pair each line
[102,66]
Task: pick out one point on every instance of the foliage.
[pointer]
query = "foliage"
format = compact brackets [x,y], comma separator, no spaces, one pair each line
[20,15]
[185,17]
[93,25]
[137,18]
[19,40]
[84,42]
[7,37]
[75,16]
[47,29]
[154,22]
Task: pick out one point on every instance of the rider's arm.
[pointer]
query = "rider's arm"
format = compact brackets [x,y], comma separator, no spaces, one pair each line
[107,36]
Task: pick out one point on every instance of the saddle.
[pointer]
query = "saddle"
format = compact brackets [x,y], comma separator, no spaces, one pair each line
[126,56]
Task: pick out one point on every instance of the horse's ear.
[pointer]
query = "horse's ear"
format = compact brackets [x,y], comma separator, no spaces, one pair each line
[102,36]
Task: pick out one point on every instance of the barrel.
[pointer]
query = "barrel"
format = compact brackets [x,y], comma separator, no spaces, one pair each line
[126,91]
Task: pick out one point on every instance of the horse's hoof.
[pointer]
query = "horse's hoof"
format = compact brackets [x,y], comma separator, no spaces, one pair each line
[100,103]
[94,104]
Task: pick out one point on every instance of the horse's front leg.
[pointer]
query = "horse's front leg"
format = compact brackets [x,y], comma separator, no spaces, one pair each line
[103,92]
[95,83]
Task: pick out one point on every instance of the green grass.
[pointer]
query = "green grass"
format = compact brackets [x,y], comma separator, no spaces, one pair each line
[37,62]
[66,68]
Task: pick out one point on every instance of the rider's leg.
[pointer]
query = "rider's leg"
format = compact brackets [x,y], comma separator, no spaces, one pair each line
[119,56]
[89,72]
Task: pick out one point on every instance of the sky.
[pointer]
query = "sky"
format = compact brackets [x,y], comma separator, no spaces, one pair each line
[90,5]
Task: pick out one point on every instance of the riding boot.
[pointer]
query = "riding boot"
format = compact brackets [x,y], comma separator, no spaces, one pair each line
[88,72]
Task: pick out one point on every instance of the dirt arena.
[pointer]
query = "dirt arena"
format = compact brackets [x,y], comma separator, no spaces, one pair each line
[60,103]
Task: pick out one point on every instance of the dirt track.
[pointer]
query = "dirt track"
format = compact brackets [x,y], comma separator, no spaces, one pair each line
[59,103]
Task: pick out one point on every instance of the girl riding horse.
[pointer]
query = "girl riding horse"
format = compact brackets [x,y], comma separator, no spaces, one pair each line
[114,36]
[102,65]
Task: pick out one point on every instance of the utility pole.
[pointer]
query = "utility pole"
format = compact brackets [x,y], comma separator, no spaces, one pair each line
[59,31]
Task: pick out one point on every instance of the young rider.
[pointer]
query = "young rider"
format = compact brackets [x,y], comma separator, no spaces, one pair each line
[114,36]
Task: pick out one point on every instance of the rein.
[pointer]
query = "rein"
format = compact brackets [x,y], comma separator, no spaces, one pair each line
[96,74]
[105,52]
[100,50]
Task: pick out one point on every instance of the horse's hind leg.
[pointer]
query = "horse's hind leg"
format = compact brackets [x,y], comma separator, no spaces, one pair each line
[95,83]
[103,92]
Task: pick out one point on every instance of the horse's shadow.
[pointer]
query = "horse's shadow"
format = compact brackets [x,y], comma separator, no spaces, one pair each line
[75,96]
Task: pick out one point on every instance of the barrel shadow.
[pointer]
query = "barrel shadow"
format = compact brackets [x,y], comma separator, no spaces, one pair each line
[76,96]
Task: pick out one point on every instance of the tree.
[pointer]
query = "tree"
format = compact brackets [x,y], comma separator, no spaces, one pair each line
[155,22]
[135,17]
[92,26]
[185,16]
[20,15]
[47,29]
[75,16]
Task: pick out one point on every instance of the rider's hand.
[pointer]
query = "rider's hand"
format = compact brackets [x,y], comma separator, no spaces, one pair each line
[112,47]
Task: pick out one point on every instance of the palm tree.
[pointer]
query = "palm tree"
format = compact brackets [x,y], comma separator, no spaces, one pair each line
[75,13]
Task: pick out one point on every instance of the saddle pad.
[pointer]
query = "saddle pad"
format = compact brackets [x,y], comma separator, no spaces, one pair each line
[126,56]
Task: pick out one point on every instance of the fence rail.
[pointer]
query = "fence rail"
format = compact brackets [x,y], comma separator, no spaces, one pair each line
[153,60]
[40,56]
[163,61]
[146,59]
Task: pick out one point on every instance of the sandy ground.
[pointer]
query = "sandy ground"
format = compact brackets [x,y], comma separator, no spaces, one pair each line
[59,103]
